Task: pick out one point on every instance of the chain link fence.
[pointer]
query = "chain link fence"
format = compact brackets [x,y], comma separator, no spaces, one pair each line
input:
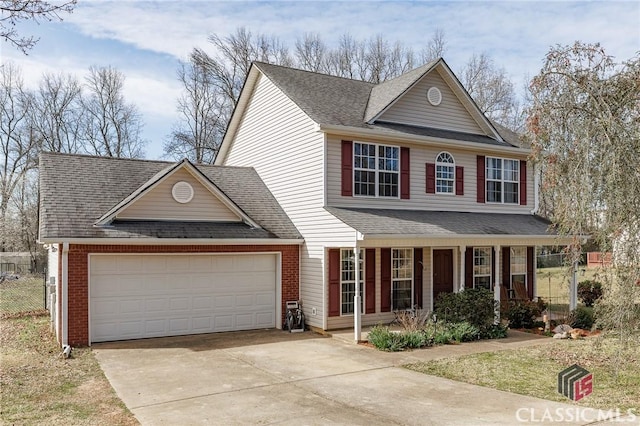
[21,293]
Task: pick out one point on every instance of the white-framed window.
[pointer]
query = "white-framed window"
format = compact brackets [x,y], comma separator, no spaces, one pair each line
[482,267]
[502,180]
[348,281]
[376,170]
[445,173]
[401,278]
[518,266]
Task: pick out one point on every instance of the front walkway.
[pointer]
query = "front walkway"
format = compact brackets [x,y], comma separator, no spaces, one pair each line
[274,377]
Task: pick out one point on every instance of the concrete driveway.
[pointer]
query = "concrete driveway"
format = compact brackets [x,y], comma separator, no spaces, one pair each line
[273,377]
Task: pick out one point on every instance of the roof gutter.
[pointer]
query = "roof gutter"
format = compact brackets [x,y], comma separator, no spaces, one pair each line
[444,237]
[174,241]
[440,142]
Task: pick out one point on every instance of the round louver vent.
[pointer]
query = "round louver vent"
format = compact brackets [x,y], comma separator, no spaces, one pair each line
[182,192]
[434,96]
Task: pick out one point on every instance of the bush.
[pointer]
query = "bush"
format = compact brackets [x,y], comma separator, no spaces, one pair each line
[494,331]
[386,340]
[475,306]
[523,313]
[582,317]
[463,332]
[589,291]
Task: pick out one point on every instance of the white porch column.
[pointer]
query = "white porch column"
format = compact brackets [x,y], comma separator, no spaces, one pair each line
[573,289]
[496,282]
[463,258]
[357,320]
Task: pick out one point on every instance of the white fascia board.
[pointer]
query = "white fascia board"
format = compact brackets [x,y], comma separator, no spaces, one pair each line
[173,241]
[355,132]
[238,113]
[550,239]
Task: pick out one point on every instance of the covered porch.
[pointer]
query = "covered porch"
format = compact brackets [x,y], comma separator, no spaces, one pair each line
[407,258]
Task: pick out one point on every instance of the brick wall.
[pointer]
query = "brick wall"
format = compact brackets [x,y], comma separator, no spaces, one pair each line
[79,275]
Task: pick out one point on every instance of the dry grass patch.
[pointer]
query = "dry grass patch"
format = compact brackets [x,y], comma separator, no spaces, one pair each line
[533,371]
[38,386]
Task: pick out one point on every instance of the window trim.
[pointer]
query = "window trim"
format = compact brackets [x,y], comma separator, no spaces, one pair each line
[362,282]
[511,273]
[490,275]
[502,181]
[393,279]
[376,170]
[452,165]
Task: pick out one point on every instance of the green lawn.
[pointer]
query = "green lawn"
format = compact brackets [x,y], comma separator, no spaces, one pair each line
[22,295]
[534,371]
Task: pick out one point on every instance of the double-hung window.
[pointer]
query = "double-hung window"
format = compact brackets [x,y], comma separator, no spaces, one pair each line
[482,267]
[503,179]
[401,278]
[348,281]
[518,266]
[376,171]
[445,173]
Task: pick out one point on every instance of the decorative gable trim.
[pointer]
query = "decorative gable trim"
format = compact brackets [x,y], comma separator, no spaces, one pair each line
[160,177]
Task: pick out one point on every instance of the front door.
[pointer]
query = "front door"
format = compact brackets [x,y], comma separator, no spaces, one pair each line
[442,272]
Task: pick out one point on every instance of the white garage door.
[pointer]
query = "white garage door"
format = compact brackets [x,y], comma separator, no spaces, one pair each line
[138,296]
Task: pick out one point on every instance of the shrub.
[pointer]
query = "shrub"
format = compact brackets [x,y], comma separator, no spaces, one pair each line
[589,291]
[522,313]
[386,340]
[463,332]
[494,331]
[475,306]
[582,317]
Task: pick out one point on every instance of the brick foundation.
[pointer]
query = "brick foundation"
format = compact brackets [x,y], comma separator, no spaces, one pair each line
[79,275]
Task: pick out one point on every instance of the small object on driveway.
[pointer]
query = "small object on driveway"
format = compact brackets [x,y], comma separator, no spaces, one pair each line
[294,320]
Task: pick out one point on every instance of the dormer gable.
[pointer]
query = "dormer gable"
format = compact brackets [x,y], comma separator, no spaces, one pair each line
[430,96]
[179,193]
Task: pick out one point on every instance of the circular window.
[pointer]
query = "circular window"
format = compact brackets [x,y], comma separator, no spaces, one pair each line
[434,96]
[182,192]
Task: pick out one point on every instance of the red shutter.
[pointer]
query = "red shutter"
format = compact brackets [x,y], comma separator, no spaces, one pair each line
[431,178]
[370,281]
[417,277]
[493,267]
[523,182]
[334,282]
[506,267]
[385,280]
[530,271]
[405,189]
[347,168]
[468,268]
[480,168]
[459,180]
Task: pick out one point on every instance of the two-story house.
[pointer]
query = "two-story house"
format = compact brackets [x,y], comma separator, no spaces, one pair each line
[409,174]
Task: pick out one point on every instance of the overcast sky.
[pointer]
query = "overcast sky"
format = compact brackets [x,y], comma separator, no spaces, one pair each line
[146,39]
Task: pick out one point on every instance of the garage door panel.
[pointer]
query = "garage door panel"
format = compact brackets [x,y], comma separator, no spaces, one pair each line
[137,296]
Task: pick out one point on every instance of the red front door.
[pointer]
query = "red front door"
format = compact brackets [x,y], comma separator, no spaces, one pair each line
[442,272]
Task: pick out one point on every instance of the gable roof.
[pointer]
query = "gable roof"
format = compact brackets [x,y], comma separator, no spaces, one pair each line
[77,190]
[161,176]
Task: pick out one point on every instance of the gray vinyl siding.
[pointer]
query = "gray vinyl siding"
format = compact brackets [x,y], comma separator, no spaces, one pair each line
[282,144]
[420,200]
[414,108]
[159,203]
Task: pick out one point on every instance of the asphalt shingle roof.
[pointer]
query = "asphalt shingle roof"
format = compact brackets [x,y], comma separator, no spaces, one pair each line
[438,223]
[76,190]
[341,101]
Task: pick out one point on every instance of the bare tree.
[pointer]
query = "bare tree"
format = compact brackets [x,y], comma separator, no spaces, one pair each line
[57,113]
[17,144]
[16,11]
[311,53]
[584,124]
[435,48]
[201,106]
[112,127]
[491,88]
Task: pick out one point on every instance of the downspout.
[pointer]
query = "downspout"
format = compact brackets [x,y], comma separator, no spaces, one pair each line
[65,295]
